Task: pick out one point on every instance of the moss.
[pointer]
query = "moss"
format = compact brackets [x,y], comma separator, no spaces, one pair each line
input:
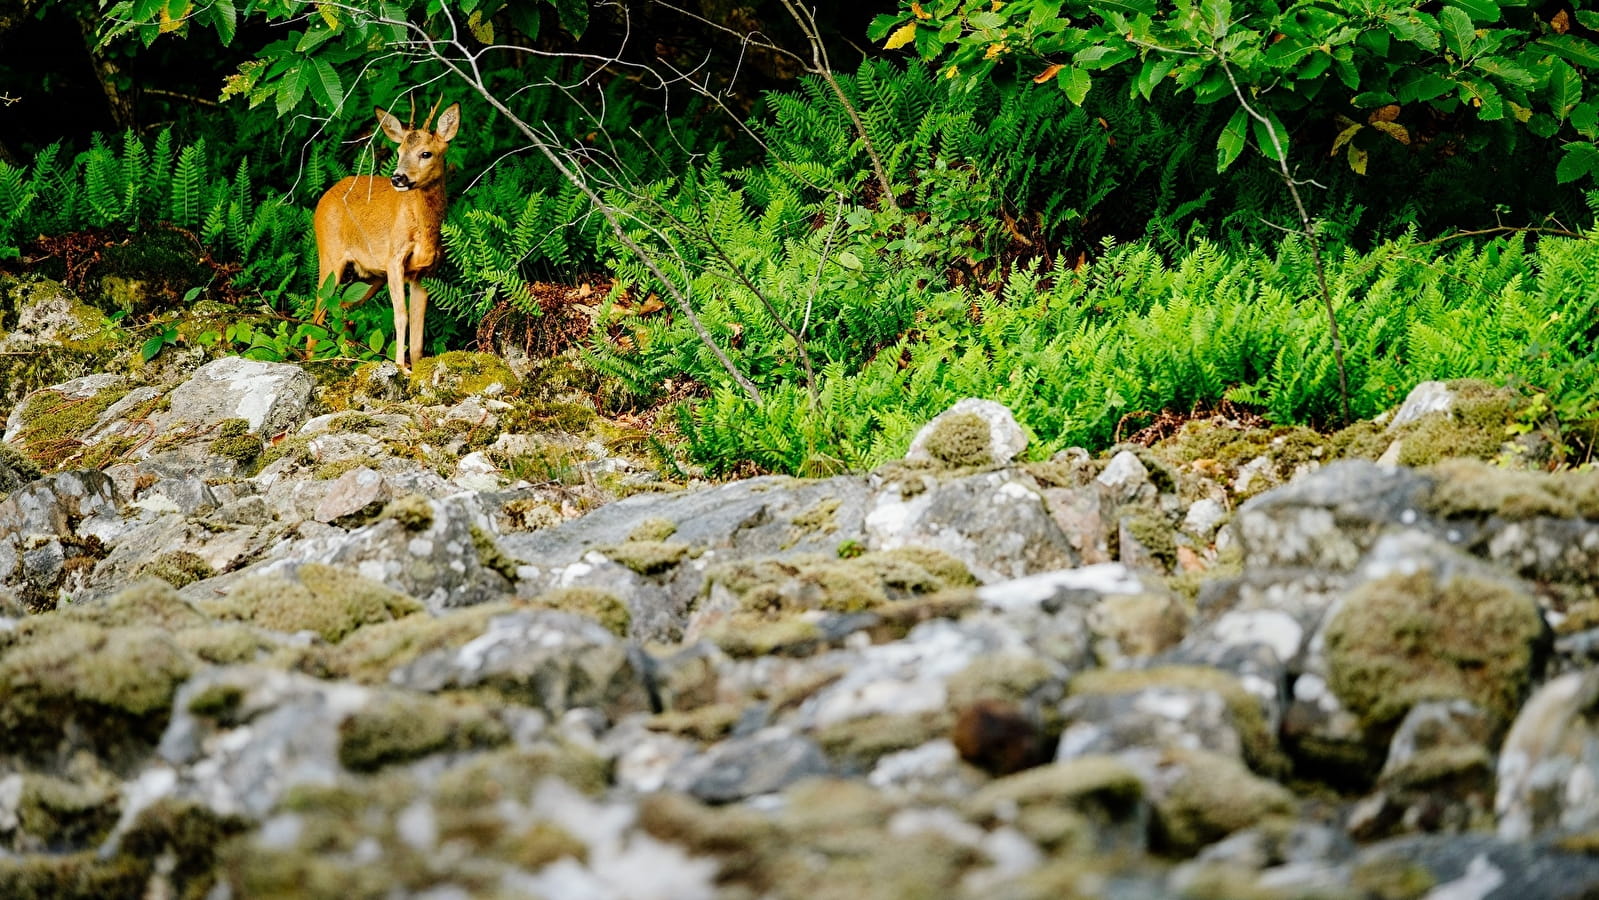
[747,639]
[414,512]
[458,374]
[53,425]
[235,441]
[16,469]
[1155,534]
[332,471]
[1435,768]
[74,876]
[821,517]
[224,644]
[849,548]
[541,844]
[1392,878]
[961,440]
[527,514]
[1470,488]
[1001,676]
[151,602]
[1362,440]
[938,571]
[1213,797]
[706,724]
[1254,731]
[744,842]
[654,529]
[490,556]
[513,773]
[217,701]
[1406,638]
[62,813]
[396,727]
[1060,796]
[862,742]
[774,587]
[115,686]
[647,557]
[177,568]
[323,599]
[602,606]
[372,652]
[896,618]
[189,834]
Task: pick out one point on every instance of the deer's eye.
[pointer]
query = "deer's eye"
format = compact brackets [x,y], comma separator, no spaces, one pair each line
[427,154]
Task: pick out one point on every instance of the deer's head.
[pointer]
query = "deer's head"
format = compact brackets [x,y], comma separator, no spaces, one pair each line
[421,158]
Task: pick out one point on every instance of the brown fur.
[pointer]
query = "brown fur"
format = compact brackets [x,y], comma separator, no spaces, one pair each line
[369,230]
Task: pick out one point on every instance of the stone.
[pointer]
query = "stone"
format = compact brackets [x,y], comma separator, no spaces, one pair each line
[994,437]
[360,491]
[1548,769]
[271,397]
[1426,397]
[762,763]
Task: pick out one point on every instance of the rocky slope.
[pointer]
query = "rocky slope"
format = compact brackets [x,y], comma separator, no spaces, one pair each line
[437,637]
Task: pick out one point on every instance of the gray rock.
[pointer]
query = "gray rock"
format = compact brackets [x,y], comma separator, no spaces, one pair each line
[359,490]
[272,397]
[1126,479]
[762,763]
[994,522]
[549,660]
[1426,397]
[1329,518]
[1204,516]
[48,523]
[1438,776]
[1482,867]
[1548,771]
[1006,439]
[77,389]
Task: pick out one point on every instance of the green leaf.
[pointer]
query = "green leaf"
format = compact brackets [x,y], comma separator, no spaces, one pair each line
[1459,34]
[1372,99]
[985,19]
[1514,75]
[1565,88]
[1218,16]
[1274,150]
[1572,49]
[190,294]
[1155,70]
[850,261]
[574,15]
[375,341]
[1588,19]
[325,86]
[225,19]
[1585,118]
[1075,82]
[1581,158]
[1478,10]
[1423,85]
[1414,28]
[152,347]
[1231,141]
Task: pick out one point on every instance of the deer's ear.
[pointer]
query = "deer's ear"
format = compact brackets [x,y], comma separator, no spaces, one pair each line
[449,123]
[391,125]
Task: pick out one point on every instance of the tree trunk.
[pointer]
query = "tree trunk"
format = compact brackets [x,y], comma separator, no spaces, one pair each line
[105,71]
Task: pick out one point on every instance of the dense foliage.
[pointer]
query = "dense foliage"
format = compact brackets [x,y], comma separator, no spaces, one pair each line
[1073,208]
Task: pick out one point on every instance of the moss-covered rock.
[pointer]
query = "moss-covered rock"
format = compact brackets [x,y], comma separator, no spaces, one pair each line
[72,876]
[370,653]
[16,469]
[53,425]
[1065,805]
[1255,733]
[396,727]
[61,814]
[600,605]
[148,272]
[961,440]
[414,512]
[110,688]
[653,529]
[319,598]
[1211,797]
[648,557]
[235,441]
[1406,638]
[177,568]
[1471,488]
[490,556]
[453,376]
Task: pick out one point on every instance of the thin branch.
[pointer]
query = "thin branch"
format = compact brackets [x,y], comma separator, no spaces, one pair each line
[1281,155]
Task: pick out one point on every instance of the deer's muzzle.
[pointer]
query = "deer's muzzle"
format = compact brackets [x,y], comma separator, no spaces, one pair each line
[401,182]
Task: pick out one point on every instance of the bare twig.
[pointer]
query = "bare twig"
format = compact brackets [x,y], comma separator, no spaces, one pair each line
[1309,233]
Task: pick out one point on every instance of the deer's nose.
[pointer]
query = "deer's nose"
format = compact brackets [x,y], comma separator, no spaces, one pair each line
[400,182]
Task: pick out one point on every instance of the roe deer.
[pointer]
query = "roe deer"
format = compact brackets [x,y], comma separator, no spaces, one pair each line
[388,230]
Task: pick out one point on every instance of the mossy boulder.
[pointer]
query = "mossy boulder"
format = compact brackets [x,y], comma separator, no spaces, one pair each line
[397,727]
[177,568]
[648,557]
[16,469]
[60,814]
[453,376]
[1470,488]
[51,426]
[315,597]
[370,653]
[1405,638]
[108,688]
[600,605]
[149,271]
[1211,797]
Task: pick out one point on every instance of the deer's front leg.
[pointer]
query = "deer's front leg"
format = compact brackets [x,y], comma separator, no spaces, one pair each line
[397,295]
[419,310]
